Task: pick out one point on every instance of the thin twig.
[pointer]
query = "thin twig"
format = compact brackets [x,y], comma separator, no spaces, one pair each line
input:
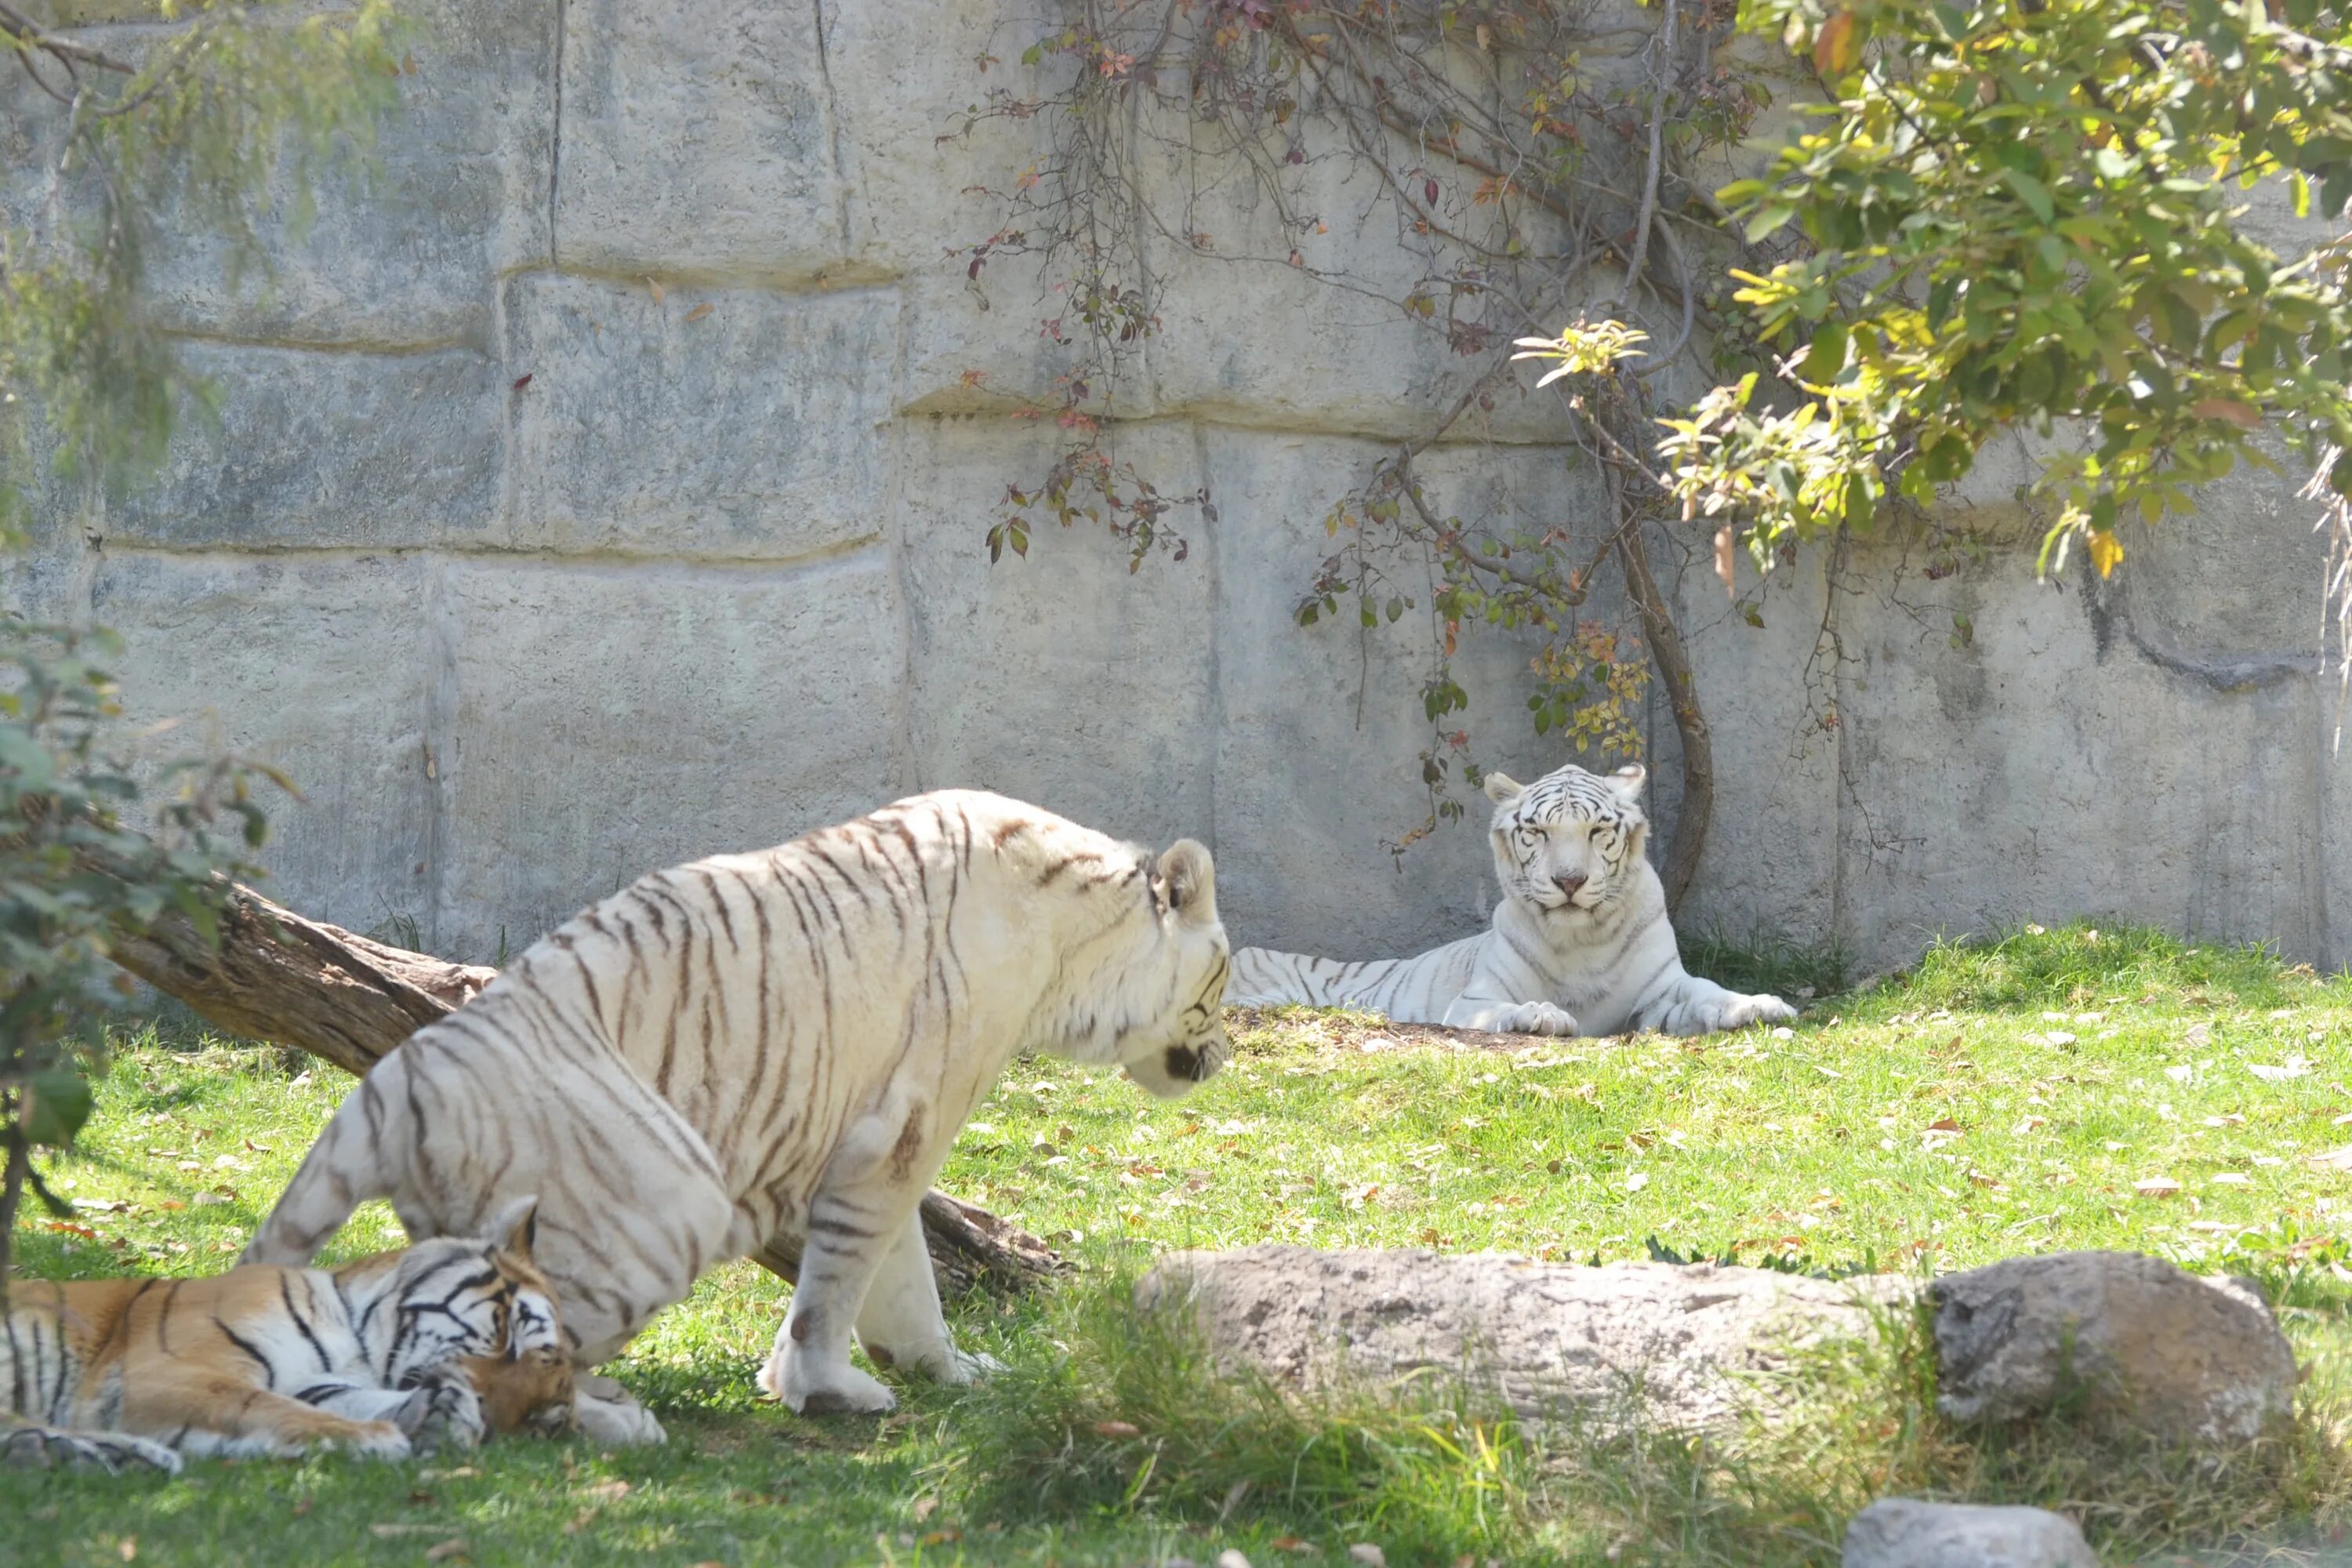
[29,34]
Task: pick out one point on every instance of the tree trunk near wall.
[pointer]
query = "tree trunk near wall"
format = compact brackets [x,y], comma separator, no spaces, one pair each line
[347,1000]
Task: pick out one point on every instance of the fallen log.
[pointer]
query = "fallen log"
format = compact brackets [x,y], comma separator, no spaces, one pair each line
[348,1000]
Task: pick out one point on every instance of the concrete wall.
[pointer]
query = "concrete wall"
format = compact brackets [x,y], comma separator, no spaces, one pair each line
[714,575]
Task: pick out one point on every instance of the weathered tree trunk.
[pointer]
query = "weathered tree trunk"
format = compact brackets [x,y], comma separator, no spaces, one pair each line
[1666,650]
[347,1000]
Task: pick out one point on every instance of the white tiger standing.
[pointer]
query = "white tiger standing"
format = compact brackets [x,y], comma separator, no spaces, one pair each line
[1580,945]
[779,1048]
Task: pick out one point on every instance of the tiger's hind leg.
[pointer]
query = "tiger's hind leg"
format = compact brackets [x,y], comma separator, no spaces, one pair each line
[865,1208]
[809,1369]
[28,1446]
[211,1413]
[900,1324]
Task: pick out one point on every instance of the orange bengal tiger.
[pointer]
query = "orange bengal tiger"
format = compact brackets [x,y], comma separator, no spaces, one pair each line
[435,1345]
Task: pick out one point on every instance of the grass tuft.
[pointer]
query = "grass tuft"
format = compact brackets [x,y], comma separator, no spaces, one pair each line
[1112,1413]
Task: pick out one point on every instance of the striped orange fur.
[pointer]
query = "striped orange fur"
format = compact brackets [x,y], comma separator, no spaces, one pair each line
[438,1344]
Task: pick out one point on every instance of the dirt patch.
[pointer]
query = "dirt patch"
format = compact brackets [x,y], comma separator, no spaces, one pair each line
[1369,1034]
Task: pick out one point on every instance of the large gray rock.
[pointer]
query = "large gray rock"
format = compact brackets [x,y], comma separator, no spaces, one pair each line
[1903,1532]
[416,438]
[724,422]
[593,721]
[980,635]
[2148,1347]
[317,667]
[698,138]
[1678,1346]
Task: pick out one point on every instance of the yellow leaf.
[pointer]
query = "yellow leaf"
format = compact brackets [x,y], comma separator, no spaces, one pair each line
[654,288]
[1837,48]
[2106,552]
[699,312]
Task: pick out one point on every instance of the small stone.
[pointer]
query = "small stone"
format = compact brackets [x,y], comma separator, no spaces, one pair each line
[2150,1348]
[1229,1558]
[1368,1555]
[1903,1532]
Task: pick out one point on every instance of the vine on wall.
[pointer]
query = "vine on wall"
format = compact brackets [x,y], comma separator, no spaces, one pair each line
[1533,169]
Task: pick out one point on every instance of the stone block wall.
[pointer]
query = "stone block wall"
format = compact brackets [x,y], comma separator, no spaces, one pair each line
[602,485]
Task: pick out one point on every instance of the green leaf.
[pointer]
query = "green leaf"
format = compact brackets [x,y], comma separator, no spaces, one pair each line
[1826,356]
[2032,193]
[1767,218]
[57,1102]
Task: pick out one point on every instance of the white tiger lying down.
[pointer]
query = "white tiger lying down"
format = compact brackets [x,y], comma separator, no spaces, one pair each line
[1580,945]
[778,1046]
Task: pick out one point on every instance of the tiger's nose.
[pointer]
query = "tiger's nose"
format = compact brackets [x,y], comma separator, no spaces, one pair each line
[1568,882]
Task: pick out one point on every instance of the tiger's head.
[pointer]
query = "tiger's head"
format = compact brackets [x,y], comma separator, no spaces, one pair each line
[1183,1045]
[480,1302]
[1570,843]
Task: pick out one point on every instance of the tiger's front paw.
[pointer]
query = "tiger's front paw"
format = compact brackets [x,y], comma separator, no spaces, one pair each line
[1537,1019]
[1760,1009]
[605,1413]
[375,1440]
[449,1415]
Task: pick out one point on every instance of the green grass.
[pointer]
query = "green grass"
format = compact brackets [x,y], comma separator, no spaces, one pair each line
[1999,1099]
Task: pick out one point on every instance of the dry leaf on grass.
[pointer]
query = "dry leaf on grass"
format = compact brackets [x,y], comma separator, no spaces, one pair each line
[2155,1187]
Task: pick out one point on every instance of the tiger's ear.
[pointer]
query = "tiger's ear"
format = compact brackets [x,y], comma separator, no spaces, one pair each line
[1190,877]
[1628,780]
[513,1227]
[1503,789]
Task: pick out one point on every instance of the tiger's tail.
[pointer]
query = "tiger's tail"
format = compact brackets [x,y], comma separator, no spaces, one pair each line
[361,1155]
